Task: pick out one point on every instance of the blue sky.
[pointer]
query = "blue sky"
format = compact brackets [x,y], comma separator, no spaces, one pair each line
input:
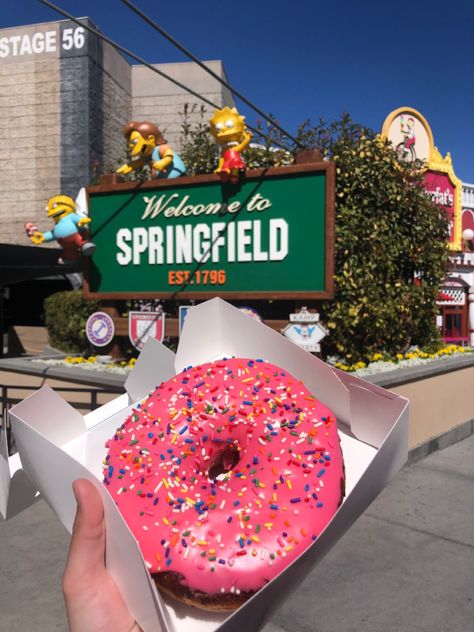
[311,59]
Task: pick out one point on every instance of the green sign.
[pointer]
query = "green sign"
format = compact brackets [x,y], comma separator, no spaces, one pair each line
[269,236]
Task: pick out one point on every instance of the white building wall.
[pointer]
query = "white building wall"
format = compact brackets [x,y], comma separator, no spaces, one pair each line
[159,100]
[467,195]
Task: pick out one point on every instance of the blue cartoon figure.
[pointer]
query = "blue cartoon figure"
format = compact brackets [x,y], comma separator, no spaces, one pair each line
[146,145]
[69,229]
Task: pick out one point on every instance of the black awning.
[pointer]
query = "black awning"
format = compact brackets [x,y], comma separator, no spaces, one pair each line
[24,263]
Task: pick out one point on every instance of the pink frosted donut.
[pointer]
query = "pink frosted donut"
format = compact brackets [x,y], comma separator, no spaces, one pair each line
[225,474]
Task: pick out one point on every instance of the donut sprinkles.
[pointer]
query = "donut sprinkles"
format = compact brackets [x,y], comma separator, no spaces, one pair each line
[225,474]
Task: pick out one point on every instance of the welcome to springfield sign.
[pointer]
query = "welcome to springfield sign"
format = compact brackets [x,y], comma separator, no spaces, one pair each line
[270,236]
[412,140]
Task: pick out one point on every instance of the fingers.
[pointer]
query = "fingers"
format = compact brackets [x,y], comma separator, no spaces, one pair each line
[87,549]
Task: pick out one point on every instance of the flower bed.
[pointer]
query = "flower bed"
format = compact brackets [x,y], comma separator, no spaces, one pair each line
[413,357]
[378,363]
[91,363]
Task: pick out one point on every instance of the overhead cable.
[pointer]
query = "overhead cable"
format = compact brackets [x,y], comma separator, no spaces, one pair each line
[142,61]
[126,51]
[222,81]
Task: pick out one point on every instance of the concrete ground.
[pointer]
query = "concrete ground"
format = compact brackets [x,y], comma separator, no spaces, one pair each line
[407,565]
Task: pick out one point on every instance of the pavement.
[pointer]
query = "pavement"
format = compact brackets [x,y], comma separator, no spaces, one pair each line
[407,564]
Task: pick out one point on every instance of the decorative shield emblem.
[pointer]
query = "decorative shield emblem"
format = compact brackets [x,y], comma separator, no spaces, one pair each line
[143,325]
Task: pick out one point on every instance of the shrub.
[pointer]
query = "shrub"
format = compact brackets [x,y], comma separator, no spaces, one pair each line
[65,316]
[390,238]
[200,152]
[390,249]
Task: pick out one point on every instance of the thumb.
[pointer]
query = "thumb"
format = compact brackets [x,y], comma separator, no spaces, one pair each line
[87,549]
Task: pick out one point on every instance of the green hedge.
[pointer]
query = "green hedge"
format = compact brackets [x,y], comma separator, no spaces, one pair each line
[65,316]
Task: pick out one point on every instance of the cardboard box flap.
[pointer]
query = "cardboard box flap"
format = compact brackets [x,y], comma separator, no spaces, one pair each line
[200,338]
[216,329]
[373,428]
[108,409]
[55,472]
[16,491]
[5,476]
[154,365]
[50,415]
[131,575]
[185,618]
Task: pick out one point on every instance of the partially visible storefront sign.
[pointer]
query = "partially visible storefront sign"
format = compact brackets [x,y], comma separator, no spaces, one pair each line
[445,189]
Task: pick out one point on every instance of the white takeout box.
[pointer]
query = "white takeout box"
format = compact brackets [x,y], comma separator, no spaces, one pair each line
[16,491]
[57,445]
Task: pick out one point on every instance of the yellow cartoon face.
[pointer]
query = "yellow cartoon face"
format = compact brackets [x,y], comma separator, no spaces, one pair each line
[59,206]
[140,147]
[227,126]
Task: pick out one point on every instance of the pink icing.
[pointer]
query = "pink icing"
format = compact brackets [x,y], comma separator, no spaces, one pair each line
[238,531]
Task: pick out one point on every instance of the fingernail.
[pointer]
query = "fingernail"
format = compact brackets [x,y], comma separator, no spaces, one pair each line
[77,496]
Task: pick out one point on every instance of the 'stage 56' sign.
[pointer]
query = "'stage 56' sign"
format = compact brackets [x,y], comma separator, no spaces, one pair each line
[194,237]
[36,43]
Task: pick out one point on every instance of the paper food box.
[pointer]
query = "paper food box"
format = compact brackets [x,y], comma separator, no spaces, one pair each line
[57,445]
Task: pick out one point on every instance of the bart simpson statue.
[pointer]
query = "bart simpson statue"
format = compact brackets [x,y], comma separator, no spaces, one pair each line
[146,145]
[229,131]
[67,230]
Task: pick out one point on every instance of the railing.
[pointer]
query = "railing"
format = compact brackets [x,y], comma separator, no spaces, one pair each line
[7,400]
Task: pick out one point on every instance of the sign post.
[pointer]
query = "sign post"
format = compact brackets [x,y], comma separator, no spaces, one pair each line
[305,330]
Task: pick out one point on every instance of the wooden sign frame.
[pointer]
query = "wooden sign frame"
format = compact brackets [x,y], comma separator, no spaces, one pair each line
[326,167]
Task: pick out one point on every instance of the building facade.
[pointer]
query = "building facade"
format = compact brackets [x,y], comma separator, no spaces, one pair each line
[412,138]
[456,300]
[65,95]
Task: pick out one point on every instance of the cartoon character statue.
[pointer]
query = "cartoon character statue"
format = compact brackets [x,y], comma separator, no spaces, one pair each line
[229,131]
[68,229]
[146,145]
[406,149]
